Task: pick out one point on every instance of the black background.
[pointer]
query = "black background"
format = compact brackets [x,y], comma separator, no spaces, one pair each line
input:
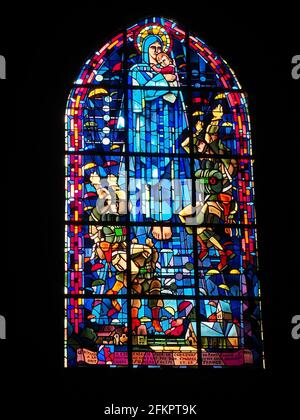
[45,49]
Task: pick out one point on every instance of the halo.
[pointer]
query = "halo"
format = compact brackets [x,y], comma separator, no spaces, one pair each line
[153,29]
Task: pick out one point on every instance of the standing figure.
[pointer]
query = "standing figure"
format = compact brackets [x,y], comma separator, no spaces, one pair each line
[156,120]
[215,178]
[110,245]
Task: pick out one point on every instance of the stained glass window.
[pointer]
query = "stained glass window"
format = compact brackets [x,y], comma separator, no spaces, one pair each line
[160,237]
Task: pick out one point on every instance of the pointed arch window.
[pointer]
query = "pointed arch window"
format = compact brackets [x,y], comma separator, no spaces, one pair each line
[160,236]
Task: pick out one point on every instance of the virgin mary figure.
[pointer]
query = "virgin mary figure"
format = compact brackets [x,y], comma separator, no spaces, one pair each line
[156,119]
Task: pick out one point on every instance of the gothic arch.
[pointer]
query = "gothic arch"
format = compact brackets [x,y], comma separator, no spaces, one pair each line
[159,172]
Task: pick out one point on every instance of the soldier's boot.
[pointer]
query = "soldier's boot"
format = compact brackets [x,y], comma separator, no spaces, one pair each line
[223,260]
[155,319]
[229,253]
[135,322]
[204,250]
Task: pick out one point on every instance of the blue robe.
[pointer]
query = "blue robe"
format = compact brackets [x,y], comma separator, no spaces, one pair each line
[156,120]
